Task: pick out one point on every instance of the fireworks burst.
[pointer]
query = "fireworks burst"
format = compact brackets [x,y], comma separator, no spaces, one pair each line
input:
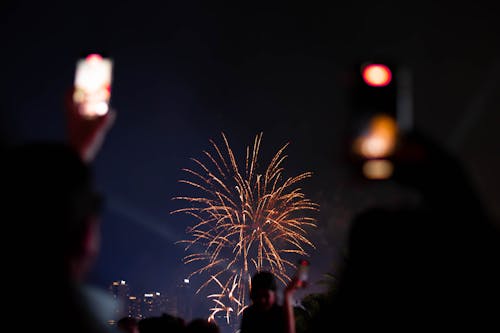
[246,222]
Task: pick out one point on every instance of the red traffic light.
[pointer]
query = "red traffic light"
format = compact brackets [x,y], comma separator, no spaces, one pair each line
[377,75]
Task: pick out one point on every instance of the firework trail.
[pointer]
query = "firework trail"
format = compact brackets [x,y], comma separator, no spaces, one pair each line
[246,221]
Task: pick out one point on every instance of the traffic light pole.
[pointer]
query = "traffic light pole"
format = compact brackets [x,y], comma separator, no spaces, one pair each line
[404,99]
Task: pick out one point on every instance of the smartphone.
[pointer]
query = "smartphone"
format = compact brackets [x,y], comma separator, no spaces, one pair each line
[92,92]
[302,272]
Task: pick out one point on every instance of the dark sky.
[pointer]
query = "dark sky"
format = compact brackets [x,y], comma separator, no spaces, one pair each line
[185,71]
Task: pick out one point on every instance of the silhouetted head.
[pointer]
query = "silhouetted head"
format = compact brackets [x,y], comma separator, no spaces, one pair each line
[421,160]
[128,325]
[162,324]
[200,325]
[423,164]
[51,204]
[263,290]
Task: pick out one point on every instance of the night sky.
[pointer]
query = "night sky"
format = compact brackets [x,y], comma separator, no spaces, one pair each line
[186,70]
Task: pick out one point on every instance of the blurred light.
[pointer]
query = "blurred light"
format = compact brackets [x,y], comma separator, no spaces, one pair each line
[94,75]
[122,282]
[93,85]
[115,283]
[132,297]
[157,294]
[377,169]
[93,57]
[101,108]
[148,295]
[374,146]
[79,96]
[186,280]
[380,139]
[377,75]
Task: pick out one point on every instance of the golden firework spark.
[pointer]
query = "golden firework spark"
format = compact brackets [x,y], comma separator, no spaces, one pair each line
[246,221]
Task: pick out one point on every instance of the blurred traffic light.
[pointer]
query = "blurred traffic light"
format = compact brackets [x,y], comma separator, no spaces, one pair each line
[380,106]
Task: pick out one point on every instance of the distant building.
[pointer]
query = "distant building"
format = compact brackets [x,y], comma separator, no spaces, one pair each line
[135,307]
[153,304]
[171,306]
[150,304]
[120,292]
[184,300]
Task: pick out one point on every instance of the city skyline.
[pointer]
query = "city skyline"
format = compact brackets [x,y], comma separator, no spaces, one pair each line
[130,302]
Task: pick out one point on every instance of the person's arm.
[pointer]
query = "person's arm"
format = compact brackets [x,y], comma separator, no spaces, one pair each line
[86,135]
[288,305]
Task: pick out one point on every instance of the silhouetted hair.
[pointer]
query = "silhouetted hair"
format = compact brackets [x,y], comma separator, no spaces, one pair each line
[49,192]
[262,280]
[200,325]
[162,324]
[126,323]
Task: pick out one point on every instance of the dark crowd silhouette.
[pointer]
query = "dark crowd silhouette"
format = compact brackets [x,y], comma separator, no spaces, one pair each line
[435,264]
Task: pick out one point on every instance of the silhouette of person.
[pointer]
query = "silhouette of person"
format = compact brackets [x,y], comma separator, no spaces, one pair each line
[200,325]
[162,324]
[53,210]
[265,314]
[434,264]
[128,325]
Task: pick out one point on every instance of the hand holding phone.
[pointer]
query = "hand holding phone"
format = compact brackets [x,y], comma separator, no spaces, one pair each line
[302,273]
[89,116]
